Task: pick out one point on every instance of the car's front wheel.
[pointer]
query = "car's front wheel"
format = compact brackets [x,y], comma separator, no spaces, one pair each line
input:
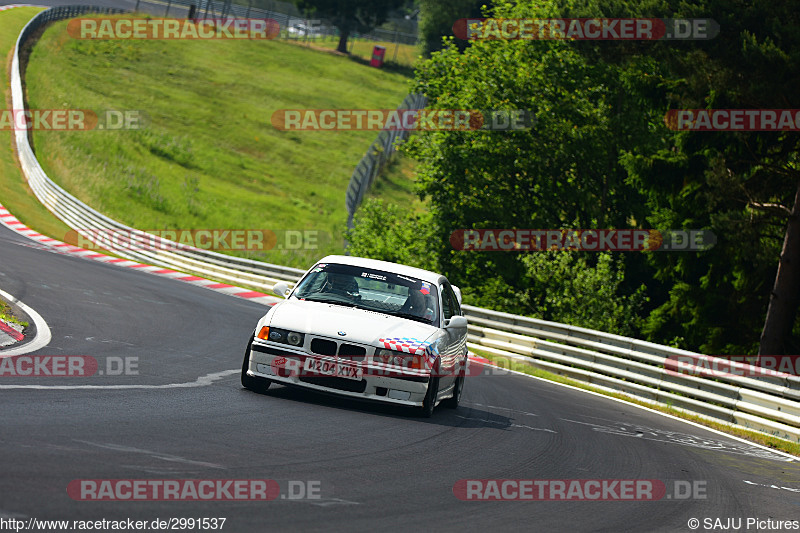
[430,397]
[253,383]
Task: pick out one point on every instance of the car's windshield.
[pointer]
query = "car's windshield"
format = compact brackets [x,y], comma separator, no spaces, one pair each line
[375,290]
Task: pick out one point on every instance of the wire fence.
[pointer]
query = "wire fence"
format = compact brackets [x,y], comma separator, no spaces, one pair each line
[64,12]
[378,154]
[399,40]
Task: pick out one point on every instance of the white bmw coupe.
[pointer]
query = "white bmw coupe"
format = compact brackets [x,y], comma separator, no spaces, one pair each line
[367,329]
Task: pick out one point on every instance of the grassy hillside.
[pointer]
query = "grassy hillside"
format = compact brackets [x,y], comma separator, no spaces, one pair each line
[209,156]
[14,193]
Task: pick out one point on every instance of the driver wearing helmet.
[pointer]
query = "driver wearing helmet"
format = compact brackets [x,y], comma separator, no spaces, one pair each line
[416,305]
[341,284]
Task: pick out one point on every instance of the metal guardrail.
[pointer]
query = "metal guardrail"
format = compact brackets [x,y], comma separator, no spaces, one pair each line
[713,387]
[611,362]
[378,154]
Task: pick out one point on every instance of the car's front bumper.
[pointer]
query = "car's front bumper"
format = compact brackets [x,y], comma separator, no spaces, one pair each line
[378,381]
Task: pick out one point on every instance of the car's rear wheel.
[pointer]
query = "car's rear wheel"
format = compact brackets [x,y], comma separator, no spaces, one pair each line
[452,403]
[254,383]
[429,402]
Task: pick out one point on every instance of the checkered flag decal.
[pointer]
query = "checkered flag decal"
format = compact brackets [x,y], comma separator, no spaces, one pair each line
[405,344]
[409,345]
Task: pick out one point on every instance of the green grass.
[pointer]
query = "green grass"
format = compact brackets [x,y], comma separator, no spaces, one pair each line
[209,157]
[15,194]
[400,54]
[7,316]
[395,184]
[753,436]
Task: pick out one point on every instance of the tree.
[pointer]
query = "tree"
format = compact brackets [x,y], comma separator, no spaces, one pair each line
[390,233]
[564,172]
[601,154]
[742,185]
[350,15]
[437,18]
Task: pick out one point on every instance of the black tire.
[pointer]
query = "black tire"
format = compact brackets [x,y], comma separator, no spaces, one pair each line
[253,383]
[429,402]
[452,403]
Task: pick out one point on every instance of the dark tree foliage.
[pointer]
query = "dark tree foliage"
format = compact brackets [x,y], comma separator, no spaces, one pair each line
[350,15]
[562,173]
[741,185]
[436,19]
[601,155]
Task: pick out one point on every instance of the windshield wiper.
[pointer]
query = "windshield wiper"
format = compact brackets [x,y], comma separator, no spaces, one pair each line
[330,301]
[412,317]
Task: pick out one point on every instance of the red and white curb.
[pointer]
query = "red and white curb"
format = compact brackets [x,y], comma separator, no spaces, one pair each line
[11,222]
[10,333]
[12,6]
[40,340]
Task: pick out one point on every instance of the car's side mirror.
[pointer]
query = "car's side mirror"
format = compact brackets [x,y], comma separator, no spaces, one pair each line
[281,289]
[456,322]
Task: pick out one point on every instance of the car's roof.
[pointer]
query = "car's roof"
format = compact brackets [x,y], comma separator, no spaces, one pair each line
[424,275]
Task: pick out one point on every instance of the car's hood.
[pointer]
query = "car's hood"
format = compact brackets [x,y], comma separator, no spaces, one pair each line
[359,325]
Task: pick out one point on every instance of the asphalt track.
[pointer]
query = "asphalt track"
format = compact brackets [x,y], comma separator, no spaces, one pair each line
[184,415]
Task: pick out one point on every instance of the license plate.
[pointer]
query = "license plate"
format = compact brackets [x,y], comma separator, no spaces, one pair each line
[329,368]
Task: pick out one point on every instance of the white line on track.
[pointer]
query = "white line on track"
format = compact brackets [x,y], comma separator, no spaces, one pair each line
[202,381]
[155,455]
[787,456]
[486,421]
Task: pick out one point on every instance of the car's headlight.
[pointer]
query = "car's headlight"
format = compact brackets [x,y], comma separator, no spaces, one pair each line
[394,357]
[283,336]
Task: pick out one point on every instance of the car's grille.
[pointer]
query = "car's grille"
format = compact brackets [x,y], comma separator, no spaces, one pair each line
[350,352]
[323,347]
[348,385]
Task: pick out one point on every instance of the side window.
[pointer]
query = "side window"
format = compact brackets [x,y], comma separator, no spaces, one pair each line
[456,306]
[448,309]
